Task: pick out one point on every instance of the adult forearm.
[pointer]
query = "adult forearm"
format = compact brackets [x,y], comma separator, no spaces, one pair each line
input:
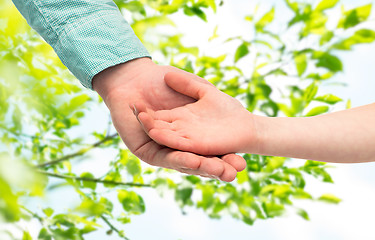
[346,136]
[87,35]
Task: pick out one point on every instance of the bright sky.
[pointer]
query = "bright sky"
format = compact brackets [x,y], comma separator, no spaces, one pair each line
[355,184]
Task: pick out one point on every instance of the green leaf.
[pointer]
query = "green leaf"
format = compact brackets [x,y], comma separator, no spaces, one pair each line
[107,204]
[44,235]
[133,6]
[311,163]
[207,201]
[301,194]
[243,176]
[26,236]
[328,61]
[48,212]
[124,220]
[326,4]
[317,110]
[263,42]
[355,16]
[88,184]
[241,51]
[140,27]
[270,108]
[263,91]
[303,214]
[132,163]
[310,92]
[212,4]
[326,38]
[214,35]
[329,198]
[87,229]
[301,63]
[292,5]
[191,11]
[193,179]
[183,195]
[78,101]
[249,18]
[265,20]
[17,118]
[328,98]
[317,76]
[171,7]
[114,177]
[359,37]
[9,207]
[131,202]
[273,209]
[348,104]
[274,163]
[91,207]
[315,24]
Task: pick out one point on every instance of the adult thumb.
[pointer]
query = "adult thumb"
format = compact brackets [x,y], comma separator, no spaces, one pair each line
[185,85]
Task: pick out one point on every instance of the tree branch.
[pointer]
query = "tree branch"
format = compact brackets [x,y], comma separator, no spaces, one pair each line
[32,214]
[56,175]
[76,154]
[113,228]
[19,135]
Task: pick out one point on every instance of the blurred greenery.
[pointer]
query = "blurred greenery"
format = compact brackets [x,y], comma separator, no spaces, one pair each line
[42,105]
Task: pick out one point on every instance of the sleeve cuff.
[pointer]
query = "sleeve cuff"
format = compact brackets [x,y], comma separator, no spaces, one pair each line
[89,46]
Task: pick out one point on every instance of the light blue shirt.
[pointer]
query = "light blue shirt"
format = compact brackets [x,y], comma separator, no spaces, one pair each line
[87,35]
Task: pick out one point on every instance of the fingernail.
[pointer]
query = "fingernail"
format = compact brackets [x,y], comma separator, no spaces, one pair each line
[186,169]
[135,111]
[214,177]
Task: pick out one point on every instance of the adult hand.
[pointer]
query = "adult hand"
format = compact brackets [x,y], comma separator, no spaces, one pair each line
[141,80]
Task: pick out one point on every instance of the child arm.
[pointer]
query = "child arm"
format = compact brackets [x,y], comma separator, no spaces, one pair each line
[217,124]
[343,137]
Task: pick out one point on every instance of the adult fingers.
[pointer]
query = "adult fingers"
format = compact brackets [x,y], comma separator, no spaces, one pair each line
[185,85]
[186,162]
[238,162]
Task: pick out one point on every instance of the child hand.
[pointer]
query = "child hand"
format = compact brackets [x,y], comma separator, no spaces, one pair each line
[213,125]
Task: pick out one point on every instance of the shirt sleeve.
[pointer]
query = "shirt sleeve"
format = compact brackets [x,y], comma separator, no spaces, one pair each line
[87,35]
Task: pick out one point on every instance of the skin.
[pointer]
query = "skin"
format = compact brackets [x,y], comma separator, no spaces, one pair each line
[212,125]
[218,124]
[141,80]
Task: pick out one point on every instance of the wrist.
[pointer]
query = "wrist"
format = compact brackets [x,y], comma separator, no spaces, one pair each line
[256,131]
[107,81]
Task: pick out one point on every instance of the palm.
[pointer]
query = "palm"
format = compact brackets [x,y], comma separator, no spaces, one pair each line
[213,125]
[149,87]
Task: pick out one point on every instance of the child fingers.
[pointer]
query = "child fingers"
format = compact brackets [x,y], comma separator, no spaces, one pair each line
[160,124]
[165,115]
[146,121]
[170,138]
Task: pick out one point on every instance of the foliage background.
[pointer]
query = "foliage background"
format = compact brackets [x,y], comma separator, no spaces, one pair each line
[45,116]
